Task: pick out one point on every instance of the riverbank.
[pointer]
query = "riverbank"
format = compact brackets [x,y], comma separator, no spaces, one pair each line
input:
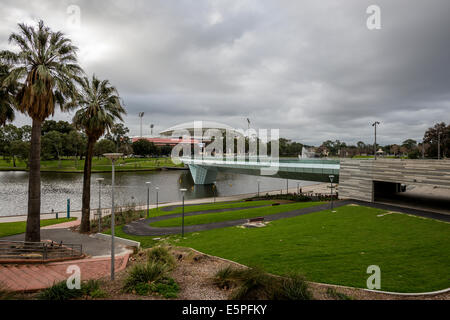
[99,165]
[319,188]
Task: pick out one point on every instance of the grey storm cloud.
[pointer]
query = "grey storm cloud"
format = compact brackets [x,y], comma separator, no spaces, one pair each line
[310,68]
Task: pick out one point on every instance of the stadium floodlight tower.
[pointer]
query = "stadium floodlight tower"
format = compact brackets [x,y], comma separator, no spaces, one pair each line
[141,115]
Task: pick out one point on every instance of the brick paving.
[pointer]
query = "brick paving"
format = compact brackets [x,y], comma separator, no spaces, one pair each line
[32,277]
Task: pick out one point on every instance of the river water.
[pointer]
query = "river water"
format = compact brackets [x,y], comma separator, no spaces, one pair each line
[130,188]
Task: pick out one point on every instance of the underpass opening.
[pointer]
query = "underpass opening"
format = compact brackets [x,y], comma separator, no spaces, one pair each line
[417,196]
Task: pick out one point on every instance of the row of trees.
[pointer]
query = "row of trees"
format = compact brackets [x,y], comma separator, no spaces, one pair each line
[437,135]
[37,78]
[61,139]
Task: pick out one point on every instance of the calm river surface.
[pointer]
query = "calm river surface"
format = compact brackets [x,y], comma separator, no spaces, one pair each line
[130,188]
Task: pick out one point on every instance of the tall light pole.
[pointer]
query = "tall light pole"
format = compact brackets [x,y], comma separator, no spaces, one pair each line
[99,180]
[375,144]
[141,115]
[182,214]
[331,189]
[113,157]
[148,183]
[439,144]
[157,189]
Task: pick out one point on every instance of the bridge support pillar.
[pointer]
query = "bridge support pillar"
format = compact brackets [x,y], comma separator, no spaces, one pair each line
[203,174]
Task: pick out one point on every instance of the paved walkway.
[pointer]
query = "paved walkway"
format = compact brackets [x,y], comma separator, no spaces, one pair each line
[317,188]
[32,277]
[91,246]
[142,227]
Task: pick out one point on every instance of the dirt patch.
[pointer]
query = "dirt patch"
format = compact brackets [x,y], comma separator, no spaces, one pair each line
[195,272]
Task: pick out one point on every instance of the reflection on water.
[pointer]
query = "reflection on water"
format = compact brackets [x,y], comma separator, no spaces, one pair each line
[130,188]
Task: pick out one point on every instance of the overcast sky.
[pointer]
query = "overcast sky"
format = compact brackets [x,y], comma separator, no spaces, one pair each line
[310,68]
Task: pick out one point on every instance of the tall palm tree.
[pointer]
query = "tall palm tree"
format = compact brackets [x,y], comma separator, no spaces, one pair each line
[100,108]
[7,90]
[46,65]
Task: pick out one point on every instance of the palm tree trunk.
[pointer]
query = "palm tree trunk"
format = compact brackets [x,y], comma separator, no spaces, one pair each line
[33,233]
[86,200]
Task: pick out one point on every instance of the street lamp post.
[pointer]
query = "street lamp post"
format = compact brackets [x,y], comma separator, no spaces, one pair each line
[439,144]
[287,186]
[258,181]
[113,157]
[157,189]
[375,145]
[182,214]
[331,189]
[148,183]
[298,187]
[99,180]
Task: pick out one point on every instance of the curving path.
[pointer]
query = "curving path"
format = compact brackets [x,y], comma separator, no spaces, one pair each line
[142,227]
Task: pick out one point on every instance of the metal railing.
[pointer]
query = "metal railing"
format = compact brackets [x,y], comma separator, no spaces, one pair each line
[44,250]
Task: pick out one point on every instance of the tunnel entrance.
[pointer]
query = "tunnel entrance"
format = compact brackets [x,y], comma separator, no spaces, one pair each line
[422,197]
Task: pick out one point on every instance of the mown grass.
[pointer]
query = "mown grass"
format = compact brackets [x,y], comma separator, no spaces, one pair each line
[210,206]
[98,165]
[337,248]
[233,215]
[12,228]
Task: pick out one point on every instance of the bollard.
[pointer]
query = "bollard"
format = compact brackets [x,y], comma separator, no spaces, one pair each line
[68,208]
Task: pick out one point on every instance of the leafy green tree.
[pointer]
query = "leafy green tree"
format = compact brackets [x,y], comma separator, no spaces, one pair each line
[144,148]
[100,108]
[74,144]
[52,146]
[21,150]
[63,127]
[118,135]
[104,146]
[46,67]
[431,137]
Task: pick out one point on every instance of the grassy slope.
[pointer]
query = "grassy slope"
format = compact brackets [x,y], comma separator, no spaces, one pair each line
[233,215]
[101,164]
[337,248]
[211,206]
[11,228]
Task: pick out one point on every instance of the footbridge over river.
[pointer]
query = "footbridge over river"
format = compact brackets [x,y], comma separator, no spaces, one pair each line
[204,170]
[360,179]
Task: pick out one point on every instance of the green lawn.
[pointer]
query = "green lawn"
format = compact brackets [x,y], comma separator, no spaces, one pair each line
[211,206]
[233,215]
[11,228]
[101,164]
[337,248]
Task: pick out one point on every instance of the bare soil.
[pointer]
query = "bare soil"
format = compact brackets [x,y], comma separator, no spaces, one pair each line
[195,272]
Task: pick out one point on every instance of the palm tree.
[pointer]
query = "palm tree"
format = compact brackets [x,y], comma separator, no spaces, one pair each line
[46,65]
[7,90]
[100,107]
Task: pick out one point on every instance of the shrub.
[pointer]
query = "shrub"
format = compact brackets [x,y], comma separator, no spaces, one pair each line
[144,273]
[255,284]
[92,288]
[331,292]
[294,287]
[167,287]
[161,255]
[59,291]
